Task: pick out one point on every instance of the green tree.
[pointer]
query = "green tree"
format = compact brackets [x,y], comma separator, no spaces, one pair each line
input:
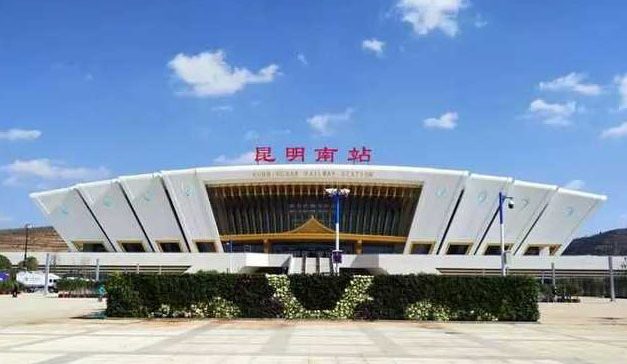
[30,264]
[5,264]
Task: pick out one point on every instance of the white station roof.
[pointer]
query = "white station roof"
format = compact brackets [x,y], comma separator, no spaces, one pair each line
[455,207]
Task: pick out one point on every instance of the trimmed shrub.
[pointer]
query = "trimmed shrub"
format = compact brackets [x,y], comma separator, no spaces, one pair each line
[512,298]
[141,295]
[318,292]
[77,287]
[6,287]
[397,297]
[31,264]
[5,264]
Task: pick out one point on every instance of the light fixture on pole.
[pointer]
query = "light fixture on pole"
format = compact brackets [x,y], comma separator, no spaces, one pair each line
[230,245]
[26,227]
[510,204]
[336,194]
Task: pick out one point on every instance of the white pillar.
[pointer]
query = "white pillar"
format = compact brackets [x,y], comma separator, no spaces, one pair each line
[46,285]
[97,269]
[612,289]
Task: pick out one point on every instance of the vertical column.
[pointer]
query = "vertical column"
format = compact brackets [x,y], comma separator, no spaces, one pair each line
[47,274]
[97,269]
[611,269]
[266,246]
[358,246]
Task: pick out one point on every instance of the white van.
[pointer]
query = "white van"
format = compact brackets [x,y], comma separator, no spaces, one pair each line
[36,280]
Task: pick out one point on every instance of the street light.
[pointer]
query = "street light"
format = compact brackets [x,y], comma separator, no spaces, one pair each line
[510,204]
[337,194]
[26,227]
[230,245]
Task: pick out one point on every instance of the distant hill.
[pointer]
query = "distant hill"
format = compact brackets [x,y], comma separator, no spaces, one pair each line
[612,242]
[40,239]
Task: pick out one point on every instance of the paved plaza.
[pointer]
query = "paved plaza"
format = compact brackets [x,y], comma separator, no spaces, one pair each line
[34,329]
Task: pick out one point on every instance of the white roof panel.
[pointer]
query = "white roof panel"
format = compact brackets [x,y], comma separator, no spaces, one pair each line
[190,199]
[66,211]
[476,209]
[529,199]
[562,217]
[148,197]
[440,192]
[108,203]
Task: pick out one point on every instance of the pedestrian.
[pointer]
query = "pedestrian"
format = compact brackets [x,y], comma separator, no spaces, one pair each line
[14,291]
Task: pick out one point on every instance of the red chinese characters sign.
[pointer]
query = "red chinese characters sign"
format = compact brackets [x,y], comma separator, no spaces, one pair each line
[265,154]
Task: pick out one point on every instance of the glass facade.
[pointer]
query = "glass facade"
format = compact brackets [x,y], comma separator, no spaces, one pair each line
[310,249]
[263,209]
[242,247]
[378,248]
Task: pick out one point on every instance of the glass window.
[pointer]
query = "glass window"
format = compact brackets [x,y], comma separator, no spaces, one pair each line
[495,249]
[533,250]
[421,248]
[457,249]
[132,247]
[242,247]
[88,247]
[382,248]
[206,247]
[170,247]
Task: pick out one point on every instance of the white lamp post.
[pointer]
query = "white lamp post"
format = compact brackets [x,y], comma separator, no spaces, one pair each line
[230,245]
[337,194]
[510,204]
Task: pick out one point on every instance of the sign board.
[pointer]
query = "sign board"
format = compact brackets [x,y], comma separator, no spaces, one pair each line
[4,276]
[265,154]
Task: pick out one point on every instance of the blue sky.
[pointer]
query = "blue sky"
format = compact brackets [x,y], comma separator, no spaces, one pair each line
[535,90]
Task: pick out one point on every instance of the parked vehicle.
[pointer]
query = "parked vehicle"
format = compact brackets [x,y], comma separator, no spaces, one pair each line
[36,280]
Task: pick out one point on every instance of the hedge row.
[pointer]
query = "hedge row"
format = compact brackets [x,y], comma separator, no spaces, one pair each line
[76,285]
[590,286]
[394,297]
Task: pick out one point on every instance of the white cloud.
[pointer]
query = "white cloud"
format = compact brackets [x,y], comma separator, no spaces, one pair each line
[575,184]
[572,82]
[373,45]
[619,131]
[428,15]
[447,121]
[326,124]
[19,134]
[244,158]
[302,59]
[621,83]
[480,22]
[222,108]
[552,114]
[48,170]
[207,74]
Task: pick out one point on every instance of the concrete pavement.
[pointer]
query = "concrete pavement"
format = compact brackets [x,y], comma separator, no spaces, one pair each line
[593,331]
